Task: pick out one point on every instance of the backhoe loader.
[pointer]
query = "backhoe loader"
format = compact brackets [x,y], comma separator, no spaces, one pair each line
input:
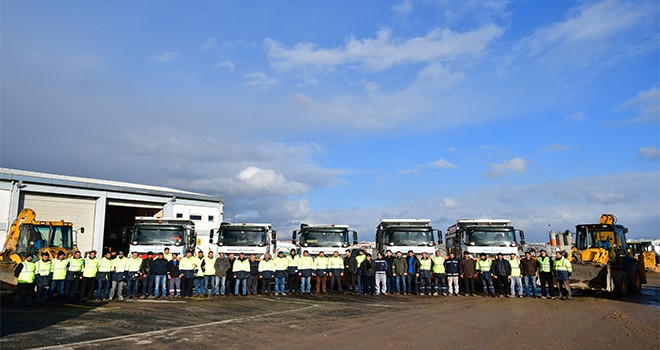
[30,236]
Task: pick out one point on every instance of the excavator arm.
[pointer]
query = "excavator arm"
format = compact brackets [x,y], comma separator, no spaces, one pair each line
[26,216]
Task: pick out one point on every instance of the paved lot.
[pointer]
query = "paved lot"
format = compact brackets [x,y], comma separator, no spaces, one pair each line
[385,322]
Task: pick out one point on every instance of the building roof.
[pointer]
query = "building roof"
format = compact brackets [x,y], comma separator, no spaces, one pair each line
[99,184]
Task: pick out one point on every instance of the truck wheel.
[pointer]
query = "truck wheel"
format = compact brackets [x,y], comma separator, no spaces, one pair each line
[620,283]
[635,282]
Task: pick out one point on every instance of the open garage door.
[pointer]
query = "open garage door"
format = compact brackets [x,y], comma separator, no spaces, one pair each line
[78,210]
[121,214]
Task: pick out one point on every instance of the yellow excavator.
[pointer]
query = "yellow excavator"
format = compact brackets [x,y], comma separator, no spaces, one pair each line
[30,236]
[601,261]
[643,250]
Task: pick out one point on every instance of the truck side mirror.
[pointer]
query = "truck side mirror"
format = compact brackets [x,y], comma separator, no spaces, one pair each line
[274,234]
[355,240]
[522,237]
[82,230]
[294,234]
[439,236]
[211,236]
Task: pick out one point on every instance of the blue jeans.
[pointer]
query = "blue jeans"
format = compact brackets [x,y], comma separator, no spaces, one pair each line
[516,285]
[200,286]
[279,285]
[306,284]
[211,281]
[413,285]
[103,290]
[223,284]
[401,284]
[56,285]
[132,287]
[240,282]
[359,283]
[160,285]
[148,285]
[391,281]
[530,284]
[487,281]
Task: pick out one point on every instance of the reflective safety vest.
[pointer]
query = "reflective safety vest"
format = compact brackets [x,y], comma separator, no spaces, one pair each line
[105,265]
[76,265]
[266,265]
[119,264]
[563,265]
[59,269]
[209,266]
[336,263]
[293,261]
[91,267]
[198,266]
[484,265]
[168,256]
[243,266]
[544,264]
[306,263]
[515,267]
[281,264]
[44,268]
[438,264]
[321,263]
[360,259]
[187,263]
[425,264]
[134,265]
[27,273]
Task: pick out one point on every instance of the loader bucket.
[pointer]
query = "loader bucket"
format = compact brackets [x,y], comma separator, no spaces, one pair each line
[7,280]
[590,277]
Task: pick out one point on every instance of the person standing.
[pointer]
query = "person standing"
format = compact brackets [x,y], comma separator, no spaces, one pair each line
[425,266]
[413,272]
[230,280]
[73,276]
[502,273]
[118,275]
[200,283]
[439,274]
[516,277]
[241,270]
[281,265]
[358,261]
[321,273]
[25,272]
[389,258]
[451,266]
[368,275]
[253,278]
[222,266]
[400,271]
[545,275]
[483,267]
[89,273]
[159,270]
[133,272]
[147,275]
[43,277]
[167,255]
[103,277]
[381,274]
[335,271]
[187,269]
[174,276]
[563,270]
[266,273]
[530,272]
[305,268]
[350,271]
[467,269]
[210,277]
[293,280]
[59,278]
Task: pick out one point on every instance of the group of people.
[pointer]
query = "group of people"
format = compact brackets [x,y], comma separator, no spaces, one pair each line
[165,274]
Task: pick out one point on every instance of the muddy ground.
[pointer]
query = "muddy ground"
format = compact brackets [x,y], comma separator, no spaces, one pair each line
[386,322]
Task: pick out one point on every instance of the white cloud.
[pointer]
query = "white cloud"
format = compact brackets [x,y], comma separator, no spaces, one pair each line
[370,86]
[649,153]
[226,64]
[260,80]
[449,203]
[443,164]
[579,117]
[166,57]
[556,147]
[513,165]
[383,51]
[210,43]
[403,7]
[647,104]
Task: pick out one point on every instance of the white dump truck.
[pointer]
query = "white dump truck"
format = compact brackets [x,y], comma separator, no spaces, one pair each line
[324,238]
[248,238]
[152,234]
[489,236]
[407,234]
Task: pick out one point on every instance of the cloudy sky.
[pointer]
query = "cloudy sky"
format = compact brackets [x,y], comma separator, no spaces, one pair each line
[543,112]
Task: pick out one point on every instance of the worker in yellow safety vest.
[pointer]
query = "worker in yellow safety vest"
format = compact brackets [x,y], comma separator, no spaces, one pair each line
[200,267]
[59,278]
[133,268]
[210,279]
[167,255]
[563,271]
[44,274]
[25,272]
[281,267]
[103,277]
[545,276]
[241,271]
[73,276]
[483,268]
[305,269]
[266,273]
[516,276]
[425,265]
[293,279]
[321,273]
[90,269]
[118,276]
[187,269]
[335,271]
[439,275]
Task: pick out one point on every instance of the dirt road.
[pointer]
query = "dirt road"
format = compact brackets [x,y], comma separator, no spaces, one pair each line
[385,322]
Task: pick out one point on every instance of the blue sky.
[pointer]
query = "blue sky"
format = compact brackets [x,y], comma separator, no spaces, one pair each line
[546,113]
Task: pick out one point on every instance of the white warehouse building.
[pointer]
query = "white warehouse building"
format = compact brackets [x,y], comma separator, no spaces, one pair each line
[104,208]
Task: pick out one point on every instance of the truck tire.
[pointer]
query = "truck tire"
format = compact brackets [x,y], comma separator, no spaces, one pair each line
[635,281]
[620,283]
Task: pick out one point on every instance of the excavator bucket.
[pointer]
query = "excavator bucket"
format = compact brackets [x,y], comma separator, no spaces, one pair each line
[7,280]
[590,277]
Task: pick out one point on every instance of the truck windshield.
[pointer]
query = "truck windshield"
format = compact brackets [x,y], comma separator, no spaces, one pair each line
[414,238]
[324,238]
[144,235]
[491,238]
[250,238]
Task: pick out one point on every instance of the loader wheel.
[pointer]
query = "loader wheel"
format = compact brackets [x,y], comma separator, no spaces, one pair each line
[635,282]
[620,283]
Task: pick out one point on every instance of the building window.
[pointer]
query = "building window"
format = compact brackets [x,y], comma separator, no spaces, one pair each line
[196,217]
[210,218]
[179,215]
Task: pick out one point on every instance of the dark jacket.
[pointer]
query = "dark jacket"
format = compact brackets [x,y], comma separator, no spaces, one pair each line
[173,268]
[451,267]
[350,264]
[501,268]
[400,266]
[146,266]
[381,265]
[368,268]
[529,267]
[390,265]
[467,268]
[222,266]
[159,267]
[230,271]
[254,268]
[415,264]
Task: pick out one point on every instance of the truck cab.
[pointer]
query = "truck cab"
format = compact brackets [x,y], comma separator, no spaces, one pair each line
[155,234]
[248,238]
[407,234]
[488,236]
[324,238]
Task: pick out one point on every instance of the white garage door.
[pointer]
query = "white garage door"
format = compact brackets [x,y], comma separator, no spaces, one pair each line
[80,211]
